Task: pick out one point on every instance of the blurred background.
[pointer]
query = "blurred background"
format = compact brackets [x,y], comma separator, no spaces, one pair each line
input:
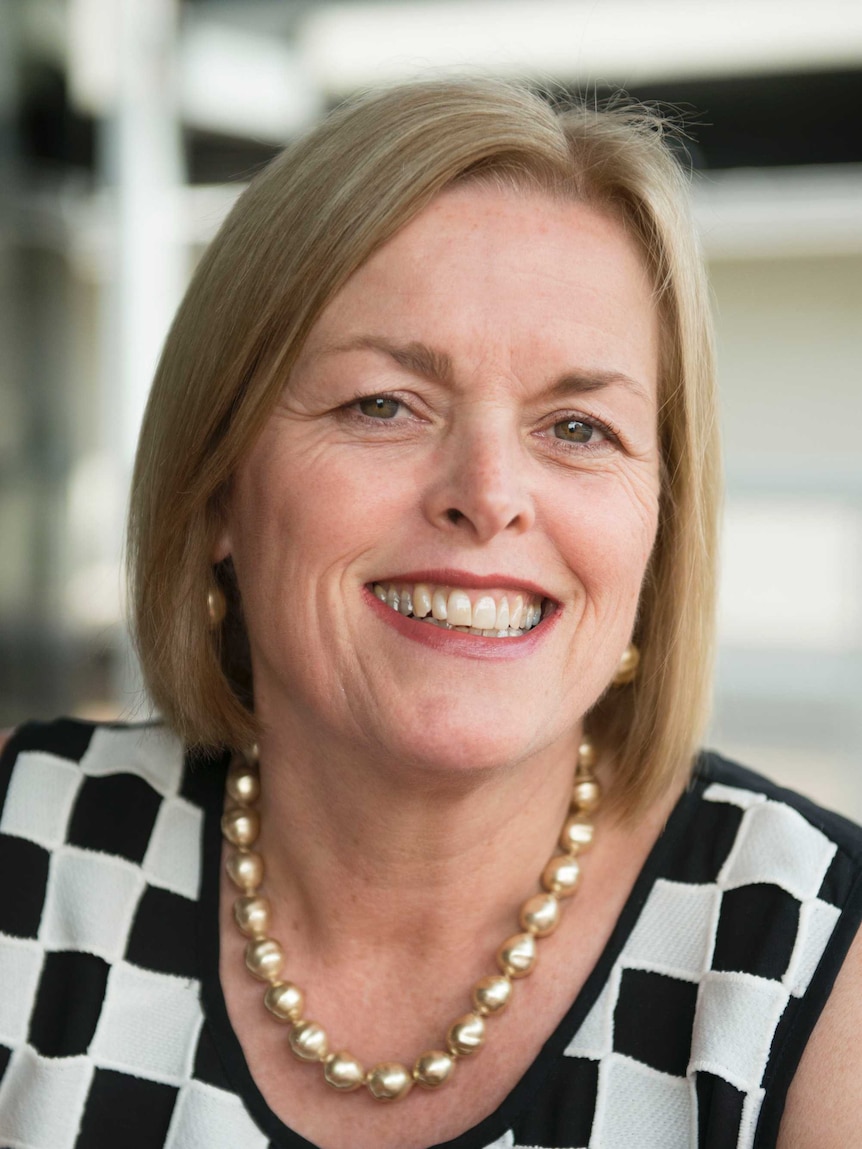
[127,129]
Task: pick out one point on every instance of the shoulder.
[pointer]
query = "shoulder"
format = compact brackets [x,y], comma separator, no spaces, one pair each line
[779,836]
[726,781]
[145,748]
[825,1097]
[95,815]
[68,775]
[738,831]
[812,858]
[102,832]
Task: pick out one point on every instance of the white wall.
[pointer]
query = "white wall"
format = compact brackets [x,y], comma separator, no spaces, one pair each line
[789,697]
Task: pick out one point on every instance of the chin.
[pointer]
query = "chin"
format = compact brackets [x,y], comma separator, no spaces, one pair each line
[463,749]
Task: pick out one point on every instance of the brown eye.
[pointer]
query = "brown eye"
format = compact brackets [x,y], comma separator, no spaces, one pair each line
[574,431]
[379,407]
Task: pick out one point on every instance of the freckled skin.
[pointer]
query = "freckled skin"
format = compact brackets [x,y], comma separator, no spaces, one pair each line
[517,290]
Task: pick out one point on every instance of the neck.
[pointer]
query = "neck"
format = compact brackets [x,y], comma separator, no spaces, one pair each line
[360,851]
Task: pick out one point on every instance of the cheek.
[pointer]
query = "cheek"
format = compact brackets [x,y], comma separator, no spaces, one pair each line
[317,498]
[610,538]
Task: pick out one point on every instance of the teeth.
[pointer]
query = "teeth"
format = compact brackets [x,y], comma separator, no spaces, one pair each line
[474,630]
[501,622]
[485,613]
[458,609]
[516,612]
[492,616]
[421,600]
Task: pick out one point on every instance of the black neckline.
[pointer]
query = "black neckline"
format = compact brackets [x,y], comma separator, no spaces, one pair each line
[541,1073]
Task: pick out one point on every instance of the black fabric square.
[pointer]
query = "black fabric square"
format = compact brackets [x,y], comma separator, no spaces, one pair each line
[163,935]
[126,1112]
[114,814]
[67,738]
[24,867]
[757,927]
[838,880]
[208,1066]
[562,1116]
[203,774]
[5,1054]
[719,1112]
[704,844]
[783,1032]
[653,1020]
[68,1003]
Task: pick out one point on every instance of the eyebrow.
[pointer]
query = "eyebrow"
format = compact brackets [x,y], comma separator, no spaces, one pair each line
[416,357]
[437,366]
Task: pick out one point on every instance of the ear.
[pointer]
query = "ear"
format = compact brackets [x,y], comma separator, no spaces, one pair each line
[220,525]
[222,547]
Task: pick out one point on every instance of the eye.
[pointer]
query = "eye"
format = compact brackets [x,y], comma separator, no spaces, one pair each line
[577,431]
[379,406]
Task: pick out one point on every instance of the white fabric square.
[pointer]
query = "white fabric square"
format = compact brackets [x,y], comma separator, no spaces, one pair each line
[20,966]
[734,1025]
[639,1106]
[675,931]
[719,792]
[90,902]
[817,920]
[40,797]
[775,844]
[149,1025]
[151,752]
[595,1038]
[507,1141]
[208,1118]
[42,1100]
[173,857]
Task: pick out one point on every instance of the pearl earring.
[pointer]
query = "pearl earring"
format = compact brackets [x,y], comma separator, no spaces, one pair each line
[628,667]
[216,606]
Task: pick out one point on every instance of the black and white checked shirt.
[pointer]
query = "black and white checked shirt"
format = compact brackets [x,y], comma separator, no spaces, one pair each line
[113,1028]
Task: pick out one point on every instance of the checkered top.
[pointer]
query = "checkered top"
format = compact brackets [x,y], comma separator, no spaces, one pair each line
[114,1032]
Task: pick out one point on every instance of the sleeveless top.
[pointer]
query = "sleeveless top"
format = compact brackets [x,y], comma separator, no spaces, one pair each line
[114,1032]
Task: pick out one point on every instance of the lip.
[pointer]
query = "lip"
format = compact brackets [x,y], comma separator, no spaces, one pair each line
[455,578]
[456,642]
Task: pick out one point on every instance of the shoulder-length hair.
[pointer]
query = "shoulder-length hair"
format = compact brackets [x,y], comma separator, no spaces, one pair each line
[298,232]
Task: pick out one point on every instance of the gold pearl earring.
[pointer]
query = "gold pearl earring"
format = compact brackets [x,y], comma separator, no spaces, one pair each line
[216,606]
[628,667]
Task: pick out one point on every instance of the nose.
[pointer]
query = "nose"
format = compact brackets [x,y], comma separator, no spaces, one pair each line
[480,488]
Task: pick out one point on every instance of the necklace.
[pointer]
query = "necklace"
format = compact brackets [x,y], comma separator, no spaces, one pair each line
[516,957]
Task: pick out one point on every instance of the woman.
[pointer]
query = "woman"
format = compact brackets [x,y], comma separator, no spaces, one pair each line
[429,458]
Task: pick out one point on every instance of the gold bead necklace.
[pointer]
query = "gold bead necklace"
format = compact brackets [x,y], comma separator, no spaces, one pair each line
[516,957]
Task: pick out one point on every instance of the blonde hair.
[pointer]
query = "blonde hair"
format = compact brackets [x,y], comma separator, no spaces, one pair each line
[299,231]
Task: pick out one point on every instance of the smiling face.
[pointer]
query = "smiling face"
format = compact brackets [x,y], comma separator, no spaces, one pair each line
[470,429]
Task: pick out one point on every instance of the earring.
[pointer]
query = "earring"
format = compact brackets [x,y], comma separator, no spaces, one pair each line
[628,666]
[216,606]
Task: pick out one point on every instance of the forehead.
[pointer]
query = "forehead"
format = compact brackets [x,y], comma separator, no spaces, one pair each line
[505,273]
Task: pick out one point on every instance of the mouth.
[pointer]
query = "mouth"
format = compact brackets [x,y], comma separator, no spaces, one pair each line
[488,611]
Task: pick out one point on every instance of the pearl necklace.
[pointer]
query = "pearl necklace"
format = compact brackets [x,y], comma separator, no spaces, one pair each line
[516,957]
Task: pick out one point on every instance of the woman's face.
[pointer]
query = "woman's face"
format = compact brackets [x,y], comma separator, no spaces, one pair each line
[472,420]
